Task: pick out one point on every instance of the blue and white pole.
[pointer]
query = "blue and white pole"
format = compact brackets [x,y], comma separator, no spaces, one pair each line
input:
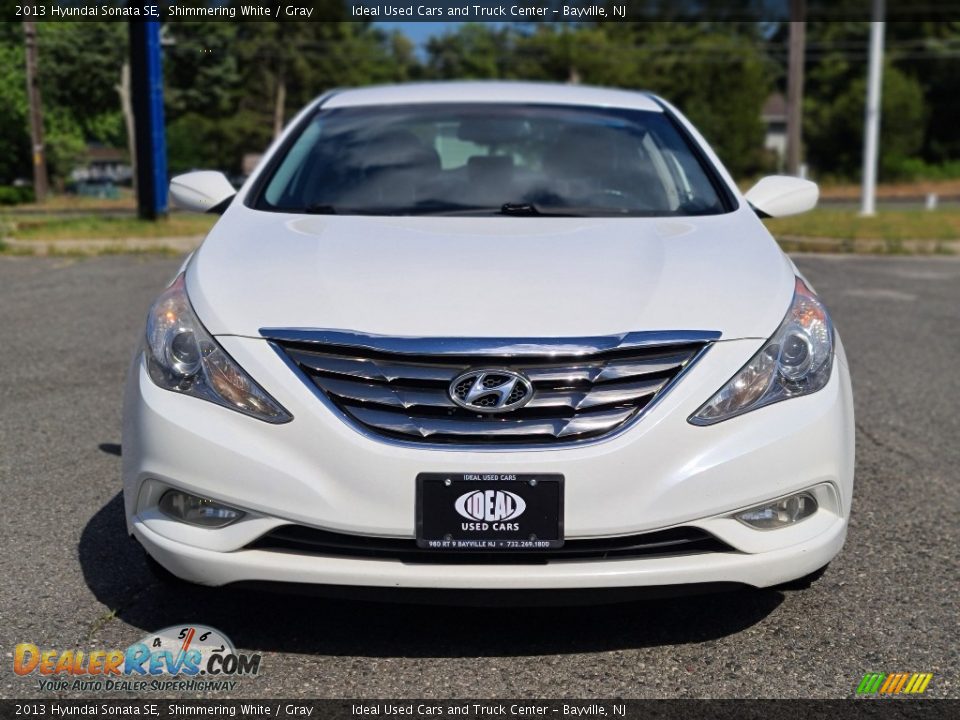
[146,71]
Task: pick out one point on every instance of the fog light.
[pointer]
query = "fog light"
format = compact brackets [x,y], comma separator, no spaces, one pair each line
[197,510]
[779,513]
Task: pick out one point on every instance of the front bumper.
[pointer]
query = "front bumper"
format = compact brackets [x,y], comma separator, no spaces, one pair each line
[759,570]
[320,472]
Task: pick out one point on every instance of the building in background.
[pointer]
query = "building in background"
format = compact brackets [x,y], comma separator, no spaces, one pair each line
[774,116]
[103,169]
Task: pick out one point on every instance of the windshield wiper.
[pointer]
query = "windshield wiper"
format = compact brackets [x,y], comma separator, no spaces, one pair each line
[413,210]
[513,209]
[522,209]
[532,210]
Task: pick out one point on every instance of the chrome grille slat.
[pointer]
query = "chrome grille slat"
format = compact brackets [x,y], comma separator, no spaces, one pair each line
[620,393]
[384,394]
[500,427]
[429,426]
[564,376]
[593,423]
[606,371]
[376,370]
[582,400]
[438,397]
[639,368]
[385,386]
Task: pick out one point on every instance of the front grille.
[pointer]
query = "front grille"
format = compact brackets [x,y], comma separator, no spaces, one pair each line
[662,543]
[400,388]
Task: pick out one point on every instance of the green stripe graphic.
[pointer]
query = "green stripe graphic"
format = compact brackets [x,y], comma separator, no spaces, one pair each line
[871,683]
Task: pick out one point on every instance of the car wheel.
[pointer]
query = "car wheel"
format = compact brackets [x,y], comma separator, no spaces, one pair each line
[803,583]
[164,576]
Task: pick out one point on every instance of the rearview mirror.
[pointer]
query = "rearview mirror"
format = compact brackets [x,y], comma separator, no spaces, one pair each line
[782,195]
[202,191]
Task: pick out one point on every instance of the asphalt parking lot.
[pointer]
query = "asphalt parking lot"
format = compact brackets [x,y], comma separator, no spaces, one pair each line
[889,603]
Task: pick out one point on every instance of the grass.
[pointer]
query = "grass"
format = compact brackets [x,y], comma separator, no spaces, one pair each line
[905,189]
[823,230]
[80,253]
[52,227]
[891,226]
[125,201]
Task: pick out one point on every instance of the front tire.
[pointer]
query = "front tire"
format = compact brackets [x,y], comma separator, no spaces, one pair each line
[803,583]
[164,576]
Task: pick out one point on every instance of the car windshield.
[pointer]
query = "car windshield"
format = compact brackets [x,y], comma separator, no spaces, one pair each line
[466,159]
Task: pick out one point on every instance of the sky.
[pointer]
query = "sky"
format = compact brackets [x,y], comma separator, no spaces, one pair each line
[419,32]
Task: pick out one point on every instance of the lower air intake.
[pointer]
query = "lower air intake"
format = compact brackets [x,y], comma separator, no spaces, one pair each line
[310,541]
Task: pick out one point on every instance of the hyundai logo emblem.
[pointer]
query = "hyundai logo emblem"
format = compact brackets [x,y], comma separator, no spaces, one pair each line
[491,390]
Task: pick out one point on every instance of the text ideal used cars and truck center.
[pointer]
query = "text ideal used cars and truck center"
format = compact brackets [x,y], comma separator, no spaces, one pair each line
[490,336]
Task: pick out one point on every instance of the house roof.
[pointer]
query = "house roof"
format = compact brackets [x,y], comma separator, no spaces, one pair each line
[775,107]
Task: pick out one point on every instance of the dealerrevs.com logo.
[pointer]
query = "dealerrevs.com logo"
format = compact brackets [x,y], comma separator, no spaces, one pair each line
[178,658]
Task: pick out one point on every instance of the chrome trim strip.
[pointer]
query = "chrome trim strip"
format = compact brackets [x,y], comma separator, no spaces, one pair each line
[423,426]
[353,424]
[385,394]
[500,347]
[372,370]
[392,397]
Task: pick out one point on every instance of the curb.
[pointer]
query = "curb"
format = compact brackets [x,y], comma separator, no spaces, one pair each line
[188,243]
[181,244]
[793,243]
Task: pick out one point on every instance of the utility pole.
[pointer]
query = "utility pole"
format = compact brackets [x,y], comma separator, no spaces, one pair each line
[146,76]
[126,103]
[36,115]
[280,101]
[798,32]
[871,135]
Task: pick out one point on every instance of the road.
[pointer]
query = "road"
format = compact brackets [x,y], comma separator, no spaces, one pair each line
[889,602]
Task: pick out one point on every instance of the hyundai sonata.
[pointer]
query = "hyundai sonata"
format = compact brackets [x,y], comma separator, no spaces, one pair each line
[482,336]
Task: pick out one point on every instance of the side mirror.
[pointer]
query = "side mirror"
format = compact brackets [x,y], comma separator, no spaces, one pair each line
[782,195]
[202,191]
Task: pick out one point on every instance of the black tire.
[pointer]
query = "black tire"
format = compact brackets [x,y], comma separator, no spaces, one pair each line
[803,583]
[164,576]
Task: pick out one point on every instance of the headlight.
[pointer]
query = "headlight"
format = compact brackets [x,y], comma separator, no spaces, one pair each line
[796,361]
[183,357]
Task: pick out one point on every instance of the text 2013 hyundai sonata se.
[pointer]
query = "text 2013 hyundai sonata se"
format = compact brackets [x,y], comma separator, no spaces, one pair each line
[490,336]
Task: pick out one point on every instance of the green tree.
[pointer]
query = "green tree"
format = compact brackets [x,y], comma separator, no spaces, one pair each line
[201,69]
[927,52]
[78,95]
[14,134]
[80,65]
[229,84]
[717,73]
[474,51]
[834,117]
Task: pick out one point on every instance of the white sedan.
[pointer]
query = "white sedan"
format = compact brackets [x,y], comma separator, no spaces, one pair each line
[490,336]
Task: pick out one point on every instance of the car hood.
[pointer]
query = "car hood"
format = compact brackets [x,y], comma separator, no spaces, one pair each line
[489,276]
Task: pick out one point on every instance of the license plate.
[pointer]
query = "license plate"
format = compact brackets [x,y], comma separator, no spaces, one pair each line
[484,511]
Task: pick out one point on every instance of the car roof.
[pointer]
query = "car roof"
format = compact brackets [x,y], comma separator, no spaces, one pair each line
[492,92]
